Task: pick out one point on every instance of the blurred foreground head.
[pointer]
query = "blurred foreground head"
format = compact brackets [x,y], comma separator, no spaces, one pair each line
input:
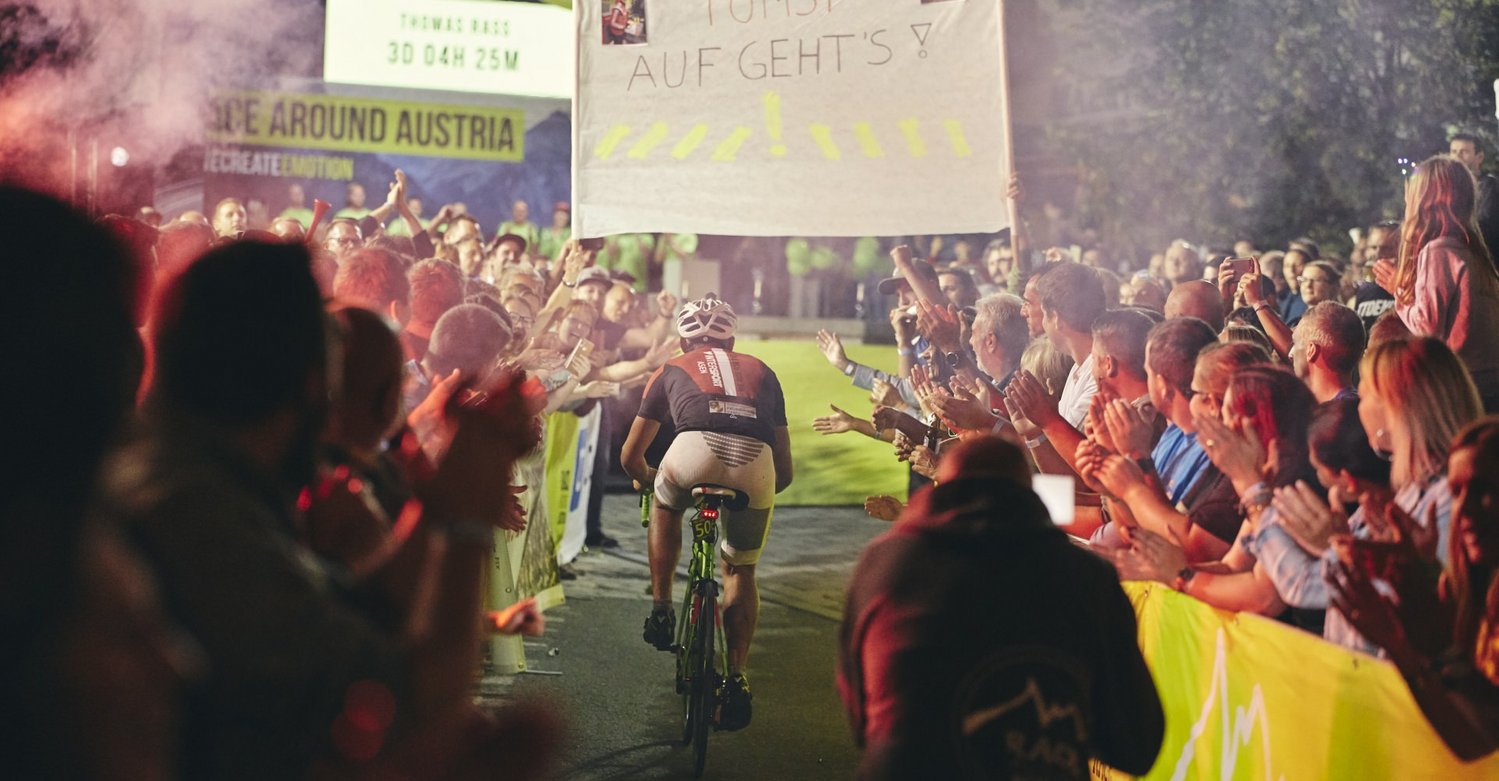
[240,343]
[985,457]
[75,359]
[87,670]
[71,341]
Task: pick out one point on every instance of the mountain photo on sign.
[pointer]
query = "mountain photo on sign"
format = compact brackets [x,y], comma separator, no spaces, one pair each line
[623,22]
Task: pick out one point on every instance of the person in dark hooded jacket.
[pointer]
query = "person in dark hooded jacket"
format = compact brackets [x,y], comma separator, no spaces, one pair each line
[979,642]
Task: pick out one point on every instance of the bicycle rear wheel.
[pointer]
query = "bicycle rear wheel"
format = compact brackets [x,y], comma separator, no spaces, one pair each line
[687,653]
[704,681]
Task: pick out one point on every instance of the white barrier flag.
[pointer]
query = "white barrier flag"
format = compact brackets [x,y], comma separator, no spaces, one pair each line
[789,117]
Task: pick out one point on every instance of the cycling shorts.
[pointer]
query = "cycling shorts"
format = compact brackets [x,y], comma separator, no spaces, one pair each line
[732,461]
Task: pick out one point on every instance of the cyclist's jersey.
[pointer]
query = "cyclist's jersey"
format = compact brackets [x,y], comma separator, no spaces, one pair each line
[711,389]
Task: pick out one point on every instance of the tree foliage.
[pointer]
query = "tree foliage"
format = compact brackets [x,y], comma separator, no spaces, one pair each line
[1263,119]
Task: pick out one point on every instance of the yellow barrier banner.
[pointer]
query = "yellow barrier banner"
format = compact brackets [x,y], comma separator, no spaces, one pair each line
[1250,698]
[344,124]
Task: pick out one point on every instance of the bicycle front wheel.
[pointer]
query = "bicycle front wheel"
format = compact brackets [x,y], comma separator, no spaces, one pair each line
[704,682]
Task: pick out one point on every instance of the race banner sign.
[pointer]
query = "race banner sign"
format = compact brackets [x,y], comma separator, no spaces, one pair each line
[789,117]
[362,125]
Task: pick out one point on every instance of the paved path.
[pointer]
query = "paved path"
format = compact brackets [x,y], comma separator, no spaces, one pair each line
[617,693]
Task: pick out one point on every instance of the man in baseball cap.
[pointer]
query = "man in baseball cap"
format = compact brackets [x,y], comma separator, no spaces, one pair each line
[509,248]
[898,282]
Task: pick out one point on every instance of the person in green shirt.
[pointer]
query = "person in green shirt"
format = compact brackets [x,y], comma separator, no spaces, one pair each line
[554,237]
[631,253]
[354,208]
[399,227]
[520,224]
[296,207]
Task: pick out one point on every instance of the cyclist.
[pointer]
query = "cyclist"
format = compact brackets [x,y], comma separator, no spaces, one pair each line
[730,421]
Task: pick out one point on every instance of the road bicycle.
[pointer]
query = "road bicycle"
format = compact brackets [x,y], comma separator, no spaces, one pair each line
[700,648]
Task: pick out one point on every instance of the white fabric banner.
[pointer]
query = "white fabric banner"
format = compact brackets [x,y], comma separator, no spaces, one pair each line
[577,504]
[789,117]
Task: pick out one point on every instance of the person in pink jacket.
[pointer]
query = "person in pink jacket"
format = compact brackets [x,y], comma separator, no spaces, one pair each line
[1443,279]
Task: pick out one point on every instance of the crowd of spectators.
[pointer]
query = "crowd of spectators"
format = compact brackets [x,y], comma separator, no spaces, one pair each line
[1284,433]
[287,457]
[260,492]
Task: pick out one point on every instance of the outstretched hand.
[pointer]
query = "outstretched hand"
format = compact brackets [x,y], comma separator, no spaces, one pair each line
[884,394]
[836,423]
[926,390]
[494,428]
[901,255]
[661,353]
[832,349]
[883,508]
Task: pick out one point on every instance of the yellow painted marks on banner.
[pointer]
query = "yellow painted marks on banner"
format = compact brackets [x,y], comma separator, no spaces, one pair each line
[959,141]
[649,141]
[823,135]
[915,144]
[689,142]
[611,141]
[868,144]
[728,148]
[773,123]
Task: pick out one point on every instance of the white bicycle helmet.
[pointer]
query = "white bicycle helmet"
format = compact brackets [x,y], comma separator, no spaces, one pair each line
[707,317]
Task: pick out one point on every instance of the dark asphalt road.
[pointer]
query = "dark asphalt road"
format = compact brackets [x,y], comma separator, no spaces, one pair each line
[617,692]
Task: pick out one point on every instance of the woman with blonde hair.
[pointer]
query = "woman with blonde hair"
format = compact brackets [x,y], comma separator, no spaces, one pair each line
[1414,397]
[1050,365]
[1443,278]
[1453,675]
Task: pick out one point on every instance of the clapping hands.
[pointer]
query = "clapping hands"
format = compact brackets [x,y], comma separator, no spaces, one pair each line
[1237,452]
[1149,557]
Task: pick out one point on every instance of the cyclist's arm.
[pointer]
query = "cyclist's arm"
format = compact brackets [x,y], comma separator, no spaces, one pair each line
[780,453]
[632,455]
[624,371]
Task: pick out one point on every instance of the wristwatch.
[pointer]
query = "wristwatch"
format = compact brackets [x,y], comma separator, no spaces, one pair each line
[1146,463]
[953,359]
[1183,578]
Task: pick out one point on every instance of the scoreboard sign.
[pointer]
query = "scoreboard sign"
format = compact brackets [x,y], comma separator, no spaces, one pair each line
[485,46]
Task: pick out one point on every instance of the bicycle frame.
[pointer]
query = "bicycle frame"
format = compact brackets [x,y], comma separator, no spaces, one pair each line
[702,588]
[699,680]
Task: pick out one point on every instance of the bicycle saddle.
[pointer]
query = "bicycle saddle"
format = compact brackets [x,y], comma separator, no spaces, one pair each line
[733,500]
